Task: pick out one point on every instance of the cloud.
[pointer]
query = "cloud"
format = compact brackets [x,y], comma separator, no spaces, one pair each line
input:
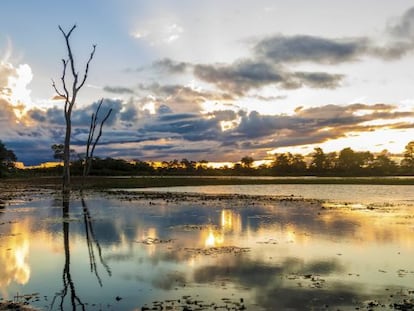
[403,27]
[272,60]
[164,121]
[319,80]
[7,115]
[118,90]
[267,63]
[165,134]
[180,98]
[171,66]
[241,77]
[191,127]
[256,132]
[6,71]
[299,48]
[159,31]
[80,117]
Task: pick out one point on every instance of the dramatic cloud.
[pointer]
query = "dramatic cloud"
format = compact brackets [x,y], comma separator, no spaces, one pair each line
[7,115]
[206,109]
[243,76]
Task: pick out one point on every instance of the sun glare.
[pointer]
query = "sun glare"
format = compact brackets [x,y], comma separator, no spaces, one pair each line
[375,141]
[18,85]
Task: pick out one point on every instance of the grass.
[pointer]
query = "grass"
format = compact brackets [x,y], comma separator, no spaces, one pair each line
[170,181]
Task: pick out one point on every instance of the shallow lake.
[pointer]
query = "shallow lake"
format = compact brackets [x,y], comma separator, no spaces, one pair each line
[351,248]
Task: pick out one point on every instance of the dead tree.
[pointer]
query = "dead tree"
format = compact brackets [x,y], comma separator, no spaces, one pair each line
[69,92]
[92,140]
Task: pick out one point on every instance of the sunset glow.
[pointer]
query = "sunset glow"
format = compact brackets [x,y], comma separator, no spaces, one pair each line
[208,81]
[14,255]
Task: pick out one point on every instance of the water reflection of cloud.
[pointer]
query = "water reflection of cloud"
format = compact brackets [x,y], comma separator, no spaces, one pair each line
[285,298]
[256,273]
[166,280]
[297,216]
[14,254]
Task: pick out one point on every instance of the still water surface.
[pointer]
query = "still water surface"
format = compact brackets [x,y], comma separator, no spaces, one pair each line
[129,251]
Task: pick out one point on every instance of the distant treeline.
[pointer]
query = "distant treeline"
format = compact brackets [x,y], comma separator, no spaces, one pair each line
[346,162]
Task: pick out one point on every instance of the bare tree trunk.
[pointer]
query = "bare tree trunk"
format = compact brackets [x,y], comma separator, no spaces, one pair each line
[69,94]
[66,156]
[91,137]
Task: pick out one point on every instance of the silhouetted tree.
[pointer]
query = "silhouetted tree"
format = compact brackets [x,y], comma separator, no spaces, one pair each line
[350,162]
[247,162]
[297,164]
[202,165]
[69,92]
[407,162]
[289,164]
[319,163]
[280,165]
[188,166]
[382,165]
[7,158]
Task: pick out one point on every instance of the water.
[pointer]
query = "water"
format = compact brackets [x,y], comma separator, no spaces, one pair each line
[129,251]
[335,192]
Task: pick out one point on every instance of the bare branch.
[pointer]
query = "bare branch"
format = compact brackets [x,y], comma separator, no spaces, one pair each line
[87,67]
[70,31]
[70,54]
[100,130]
[65,64]
[56,90]
[91,137]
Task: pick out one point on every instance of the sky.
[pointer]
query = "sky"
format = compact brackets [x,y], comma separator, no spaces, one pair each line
[210,80]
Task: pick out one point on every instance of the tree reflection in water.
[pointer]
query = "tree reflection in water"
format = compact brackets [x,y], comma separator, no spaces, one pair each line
[68,283]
